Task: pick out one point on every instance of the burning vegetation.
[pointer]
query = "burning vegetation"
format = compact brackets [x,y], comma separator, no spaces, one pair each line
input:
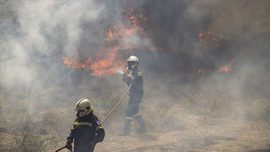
[210,39]
[107,61]
[225,68]
[103,67]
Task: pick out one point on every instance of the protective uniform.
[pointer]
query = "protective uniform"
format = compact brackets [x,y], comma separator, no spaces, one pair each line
[134,76]
[86,130]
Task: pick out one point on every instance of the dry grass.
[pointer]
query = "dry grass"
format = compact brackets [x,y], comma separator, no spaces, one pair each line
[200,121]
[195,133]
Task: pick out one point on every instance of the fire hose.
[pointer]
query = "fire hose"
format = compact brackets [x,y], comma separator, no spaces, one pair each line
[61,149]
[123,97]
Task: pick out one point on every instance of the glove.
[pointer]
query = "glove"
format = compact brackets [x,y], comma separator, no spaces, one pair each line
[128,72]
[68,146]
[125,75]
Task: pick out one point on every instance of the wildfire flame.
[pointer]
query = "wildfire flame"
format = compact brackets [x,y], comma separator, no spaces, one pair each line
[102,67]
[76,63]
[107,66]
[201,71]
[209,38]
[227,67]
[132,26]
[108,60]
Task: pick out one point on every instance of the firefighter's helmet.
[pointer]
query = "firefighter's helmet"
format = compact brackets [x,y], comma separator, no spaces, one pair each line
[132,62]
[82,107]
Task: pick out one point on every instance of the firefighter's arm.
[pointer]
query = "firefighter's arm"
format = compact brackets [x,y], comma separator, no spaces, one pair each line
[72,133]
[100,133]
[127,77]
[71,137]
[132,78]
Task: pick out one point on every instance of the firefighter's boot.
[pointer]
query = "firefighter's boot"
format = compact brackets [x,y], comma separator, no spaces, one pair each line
[140,121]
[126,131]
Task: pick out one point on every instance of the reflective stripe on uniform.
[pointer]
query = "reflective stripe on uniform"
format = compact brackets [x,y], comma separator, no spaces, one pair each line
[98,127]
[83,124]
[131,76]
[129,118]
[139,73]
[88,112]
[137,114]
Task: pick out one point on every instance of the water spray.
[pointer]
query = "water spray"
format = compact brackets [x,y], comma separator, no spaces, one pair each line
[120,71]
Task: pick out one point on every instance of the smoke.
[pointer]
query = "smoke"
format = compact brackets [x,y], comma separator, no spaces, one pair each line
[233,30]
[46,30]
[187,35]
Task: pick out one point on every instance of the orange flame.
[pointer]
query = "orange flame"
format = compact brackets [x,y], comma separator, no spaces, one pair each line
[107,66]
[109,61]
[110,35]
[201,71]
[227,67]
[209,38]
[117,33]
[133,25]
[76,63]
[102,67]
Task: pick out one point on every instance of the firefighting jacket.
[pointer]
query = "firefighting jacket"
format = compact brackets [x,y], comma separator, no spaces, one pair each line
[86,129]
[135,77]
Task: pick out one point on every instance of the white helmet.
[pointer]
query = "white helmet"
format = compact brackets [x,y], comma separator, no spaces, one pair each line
[133,58]
[132,62]
[83,107]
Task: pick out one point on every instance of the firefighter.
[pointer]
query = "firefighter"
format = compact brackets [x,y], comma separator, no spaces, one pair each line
[86,130]
[134,76]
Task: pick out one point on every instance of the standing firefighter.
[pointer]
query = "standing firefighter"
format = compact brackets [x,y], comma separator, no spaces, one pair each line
[134,76]
[86,130]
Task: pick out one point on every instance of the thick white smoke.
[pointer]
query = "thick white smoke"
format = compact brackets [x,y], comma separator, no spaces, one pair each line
[44,29]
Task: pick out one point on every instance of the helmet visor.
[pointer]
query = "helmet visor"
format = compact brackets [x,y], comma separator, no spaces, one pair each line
[130,64]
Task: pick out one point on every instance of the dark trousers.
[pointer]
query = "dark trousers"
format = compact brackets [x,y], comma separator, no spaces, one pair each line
[84,148]
[132,112]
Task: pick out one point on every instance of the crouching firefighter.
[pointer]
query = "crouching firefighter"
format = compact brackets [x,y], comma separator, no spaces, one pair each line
[134,76]
[86,130]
